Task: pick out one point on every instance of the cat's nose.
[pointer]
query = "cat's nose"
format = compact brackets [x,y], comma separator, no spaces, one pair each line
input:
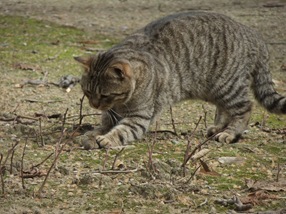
[94,103]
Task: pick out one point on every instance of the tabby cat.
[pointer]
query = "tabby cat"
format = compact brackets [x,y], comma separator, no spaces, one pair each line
[193,55]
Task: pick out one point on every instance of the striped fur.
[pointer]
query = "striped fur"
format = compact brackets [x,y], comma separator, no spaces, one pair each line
[193,55]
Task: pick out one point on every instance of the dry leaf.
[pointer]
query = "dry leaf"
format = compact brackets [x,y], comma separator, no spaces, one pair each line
[200,154]
[24,66]
[185,200]
[207,170]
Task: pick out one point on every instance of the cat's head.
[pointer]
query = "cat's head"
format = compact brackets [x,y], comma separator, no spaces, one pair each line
[106,81]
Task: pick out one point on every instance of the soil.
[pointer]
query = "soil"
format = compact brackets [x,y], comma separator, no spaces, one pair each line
[130,181]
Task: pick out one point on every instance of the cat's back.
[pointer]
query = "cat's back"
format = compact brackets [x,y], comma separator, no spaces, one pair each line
[194,26]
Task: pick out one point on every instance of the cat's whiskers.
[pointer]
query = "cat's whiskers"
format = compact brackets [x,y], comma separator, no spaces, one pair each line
[114,116]
[127,108]
[111,118]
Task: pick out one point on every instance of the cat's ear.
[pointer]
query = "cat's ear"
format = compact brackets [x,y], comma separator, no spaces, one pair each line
[85,61]
[122,69]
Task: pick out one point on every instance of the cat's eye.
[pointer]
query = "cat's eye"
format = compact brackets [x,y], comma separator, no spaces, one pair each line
[119,73]
[117,94]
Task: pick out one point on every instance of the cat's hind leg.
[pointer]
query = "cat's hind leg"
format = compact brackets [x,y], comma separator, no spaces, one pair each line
[239,116]
[222,119]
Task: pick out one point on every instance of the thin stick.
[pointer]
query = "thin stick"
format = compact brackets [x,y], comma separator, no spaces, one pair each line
[150,164]
[205,115]
[197,147]
[85,115]
[1,175]
[278,172]
[164,131]
[22,163]
[9,152]
[80,110]
[40,130]
[37,165]
[17,118]
[186,156]
[57,154]
[35,174]
[54,162]
[193,174]
[105,159]
[58,146]
[116,157]
[64,119]
[173,121]
[11,162]
[116,171]
[189,147]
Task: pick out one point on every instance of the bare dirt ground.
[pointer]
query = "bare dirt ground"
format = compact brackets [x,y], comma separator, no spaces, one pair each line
[247,177]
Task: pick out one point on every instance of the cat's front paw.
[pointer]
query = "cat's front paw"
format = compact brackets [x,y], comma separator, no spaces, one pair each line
[104,142]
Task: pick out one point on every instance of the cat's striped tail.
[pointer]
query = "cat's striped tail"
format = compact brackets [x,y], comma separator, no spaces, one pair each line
[265,93]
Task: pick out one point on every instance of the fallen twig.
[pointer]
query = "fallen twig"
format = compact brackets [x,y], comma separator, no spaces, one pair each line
[40,130]
[2,169]
[105,159]
[116,157]
[163,131]
[203,203]
[205,115]
[11,161]
[84,115]
[198,147]
[37,165]
[80,110]
[42,101]
[2,164]
[187,156]
[32,174]
[22,163]
[276,131]
[9,152]
[193,174]
[278,172]
[54,162]
[150,165]
[116,171]
[173,121]
[52,116]
[57,153]
[18,118]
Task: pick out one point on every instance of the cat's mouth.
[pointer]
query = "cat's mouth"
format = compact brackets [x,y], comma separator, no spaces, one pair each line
[100,106]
